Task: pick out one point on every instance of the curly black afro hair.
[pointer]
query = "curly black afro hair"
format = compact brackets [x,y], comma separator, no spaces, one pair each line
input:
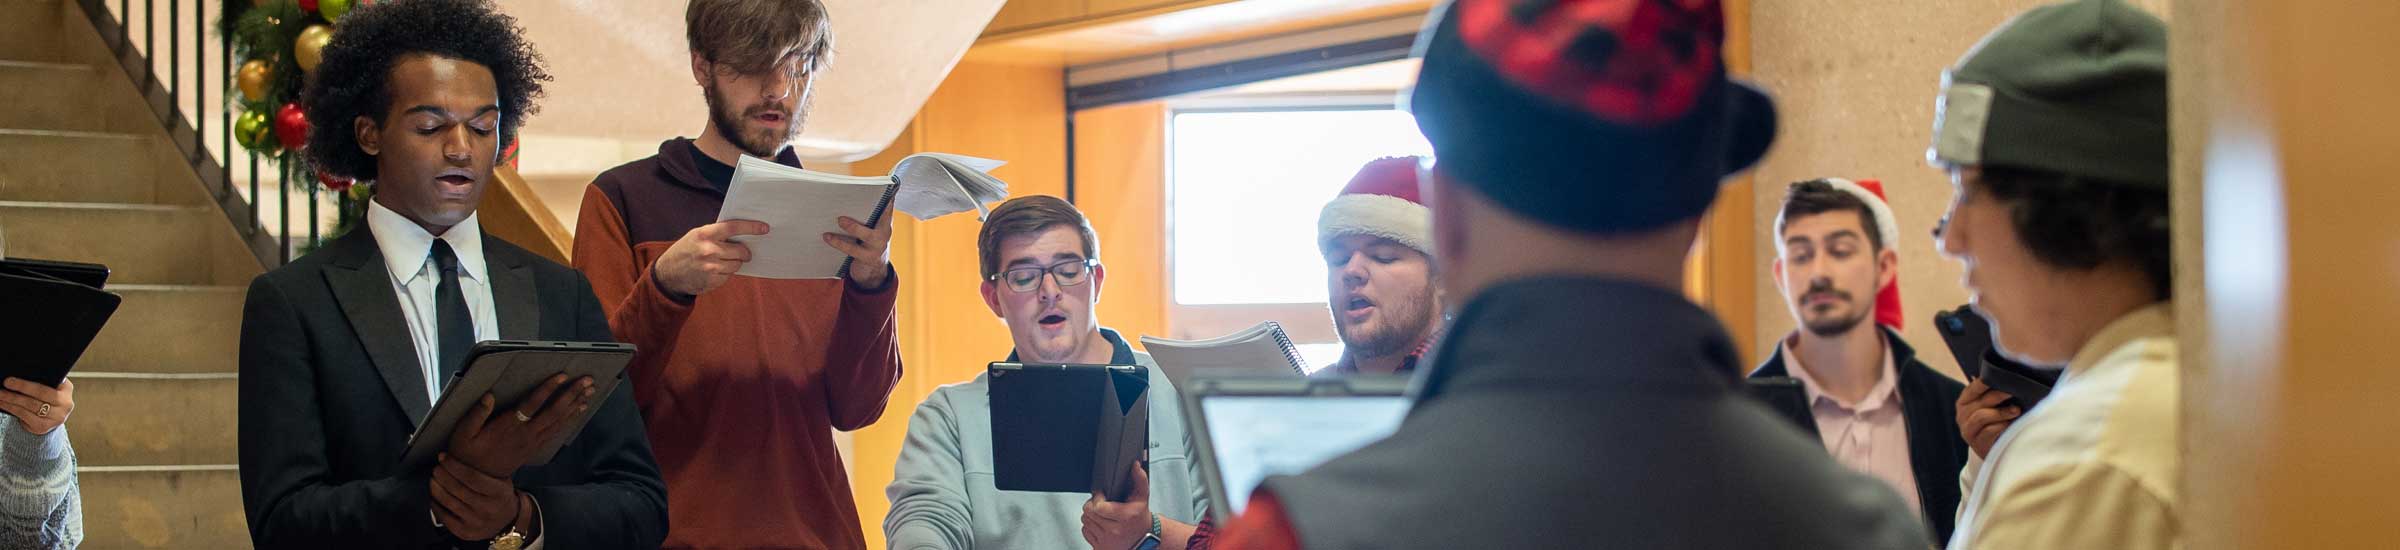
[350,79]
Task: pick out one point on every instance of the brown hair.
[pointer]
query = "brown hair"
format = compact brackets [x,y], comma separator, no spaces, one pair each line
[1818,196]
[751,36]
[1026,216]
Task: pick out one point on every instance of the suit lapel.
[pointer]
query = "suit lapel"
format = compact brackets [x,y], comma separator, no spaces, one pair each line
[513,296]
[364,288]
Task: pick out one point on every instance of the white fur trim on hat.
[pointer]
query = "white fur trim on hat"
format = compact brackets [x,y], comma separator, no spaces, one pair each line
[1395,218]
[1884,222]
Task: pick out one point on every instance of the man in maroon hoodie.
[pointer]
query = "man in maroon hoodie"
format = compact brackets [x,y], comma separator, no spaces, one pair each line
[742,380]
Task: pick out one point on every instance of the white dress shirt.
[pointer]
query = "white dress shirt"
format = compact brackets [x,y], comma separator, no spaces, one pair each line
[408,256]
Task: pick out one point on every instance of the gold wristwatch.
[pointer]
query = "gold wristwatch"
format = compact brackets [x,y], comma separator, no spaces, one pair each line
[511,540]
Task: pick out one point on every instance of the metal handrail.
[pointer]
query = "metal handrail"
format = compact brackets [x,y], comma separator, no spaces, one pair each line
[207,158]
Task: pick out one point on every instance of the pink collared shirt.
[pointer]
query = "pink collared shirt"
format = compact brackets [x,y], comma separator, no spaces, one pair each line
[1871,435]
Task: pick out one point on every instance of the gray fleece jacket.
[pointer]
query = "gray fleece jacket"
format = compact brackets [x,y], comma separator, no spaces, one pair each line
[942,492]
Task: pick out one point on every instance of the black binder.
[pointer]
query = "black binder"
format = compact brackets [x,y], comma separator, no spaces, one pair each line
[1068,428]
[51,312]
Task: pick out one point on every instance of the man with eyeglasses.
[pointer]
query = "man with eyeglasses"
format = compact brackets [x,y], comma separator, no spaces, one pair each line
[1041,275]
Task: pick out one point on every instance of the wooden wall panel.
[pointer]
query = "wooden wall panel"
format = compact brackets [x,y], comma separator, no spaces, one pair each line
[1010,112]
[1121,184]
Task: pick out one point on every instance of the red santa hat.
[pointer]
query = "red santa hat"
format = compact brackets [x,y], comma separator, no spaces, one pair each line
[1380,201]
[1887,303]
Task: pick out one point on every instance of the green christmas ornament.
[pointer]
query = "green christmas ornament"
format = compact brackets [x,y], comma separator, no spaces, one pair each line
[253,132]
[333,9]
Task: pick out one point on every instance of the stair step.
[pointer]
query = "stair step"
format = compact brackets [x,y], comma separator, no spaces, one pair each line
[170,329]
[67,96]
[49,166]
[141,244]
[163,508]
[127,420]
[34,29]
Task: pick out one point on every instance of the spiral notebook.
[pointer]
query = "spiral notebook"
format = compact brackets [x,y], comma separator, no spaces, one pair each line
[1261,349]
[799,206]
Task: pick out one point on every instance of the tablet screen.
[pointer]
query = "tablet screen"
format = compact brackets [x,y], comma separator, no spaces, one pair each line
[1259,436]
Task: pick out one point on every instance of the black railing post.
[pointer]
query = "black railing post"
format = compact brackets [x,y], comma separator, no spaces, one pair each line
[149,41]
[258,220]
[225,124]
[283,191]
[310,180]
[124,25]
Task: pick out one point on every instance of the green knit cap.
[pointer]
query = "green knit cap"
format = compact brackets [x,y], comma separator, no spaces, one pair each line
[2078,88]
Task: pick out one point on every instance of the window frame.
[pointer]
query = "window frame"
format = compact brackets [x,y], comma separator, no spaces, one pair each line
[1304,322]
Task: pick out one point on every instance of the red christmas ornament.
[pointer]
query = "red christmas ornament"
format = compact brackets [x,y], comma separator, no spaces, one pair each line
[291,126]
[337,184]
[308,6]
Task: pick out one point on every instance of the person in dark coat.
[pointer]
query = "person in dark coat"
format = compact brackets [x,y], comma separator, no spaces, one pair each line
[1863,392]
[345,350]
[1579,399]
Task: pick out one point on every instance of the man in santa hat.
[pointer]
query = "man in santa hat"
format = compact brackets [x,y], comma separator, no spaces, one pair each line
[1379,277]
[1878,409]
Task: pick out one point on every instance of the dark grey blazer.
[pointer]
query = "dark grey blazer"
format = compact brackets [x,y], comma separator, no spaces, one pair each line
[1590,413]
[331,389]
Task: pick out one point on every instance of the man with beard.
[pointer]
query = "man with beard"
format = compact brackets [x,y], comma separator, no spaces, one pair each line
[1377,238]
[345,350]
[742,380]
[1042,276]
[1878,409]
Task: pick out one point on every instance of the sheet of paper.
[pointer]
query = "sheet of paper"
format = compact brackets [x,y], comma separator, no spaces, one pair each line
[939,184]
[799,209]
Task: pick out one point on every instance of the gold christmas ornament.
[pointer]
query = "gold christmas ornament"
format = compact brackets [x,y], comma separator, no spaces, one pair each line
[253,80]
[310,47]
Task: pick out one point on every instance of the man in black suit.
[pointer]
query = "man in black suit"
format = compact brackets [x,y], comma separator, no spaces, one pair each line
[344,350]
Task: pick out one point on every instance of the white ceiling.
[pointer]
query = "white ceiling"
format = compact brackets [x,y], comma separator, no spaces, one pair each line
[624,76]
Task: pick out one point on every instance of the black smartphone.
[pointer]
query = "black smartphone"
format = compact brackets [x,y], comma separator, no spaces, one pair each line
[1969,337]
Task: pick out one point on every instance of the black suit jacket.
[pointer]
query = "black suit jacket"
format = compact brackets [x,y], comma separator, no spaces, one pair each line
[331,388]
[1928,405]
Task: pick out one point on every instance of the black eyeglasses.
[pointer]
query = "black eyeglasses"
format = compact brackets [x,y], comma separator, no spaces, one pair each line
[1067,273]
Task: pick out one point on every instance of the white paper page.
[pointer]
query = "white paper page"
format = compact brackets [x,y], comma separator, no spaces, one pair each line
[799,209]
[1259,355]
[931,185]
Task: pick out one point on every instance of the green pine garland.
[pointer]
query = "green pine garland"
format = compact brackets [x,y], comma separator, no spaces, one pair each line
[266,30]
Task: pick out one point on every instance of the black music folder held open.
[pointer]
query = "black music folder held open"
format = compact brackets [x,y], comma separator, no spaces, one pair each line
[510,370]
[1068,428]
[49,313]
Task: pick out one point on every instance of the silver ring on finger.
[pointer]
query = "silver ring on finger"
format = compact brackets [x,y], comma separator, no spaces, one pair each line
[522,417]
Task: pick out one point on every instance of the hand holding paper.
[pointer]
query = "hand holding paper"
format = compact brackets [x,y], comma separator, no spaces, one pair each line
[704,257]
[869,248]
[802,204]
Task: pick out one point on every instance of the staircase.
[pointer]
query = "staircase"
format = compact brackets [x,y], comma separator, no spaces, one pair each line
[87,174]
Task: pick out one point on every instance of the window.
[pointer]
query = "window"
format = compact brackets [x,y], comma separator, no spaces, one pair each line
[1245,185]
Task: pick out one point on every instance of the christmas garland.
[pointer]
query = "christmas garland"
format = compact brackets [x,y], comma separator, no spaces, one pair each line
[279,42]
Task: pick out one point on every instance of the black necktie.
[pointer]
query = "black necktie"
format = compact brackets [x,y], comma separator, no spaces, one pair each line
[455,325]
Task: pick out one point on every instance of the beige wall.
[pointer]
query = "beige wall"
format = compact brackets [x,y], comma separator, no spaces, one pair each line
[1854,81]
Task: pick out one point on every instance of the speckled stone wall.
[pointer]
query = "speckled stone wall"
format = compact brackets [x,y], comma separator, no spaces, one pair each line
[1855,81]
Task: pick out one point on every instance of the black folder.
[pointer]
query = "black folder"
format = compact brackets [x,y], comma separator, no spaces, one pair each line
[1068,428]
[49,313]
[509,370]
